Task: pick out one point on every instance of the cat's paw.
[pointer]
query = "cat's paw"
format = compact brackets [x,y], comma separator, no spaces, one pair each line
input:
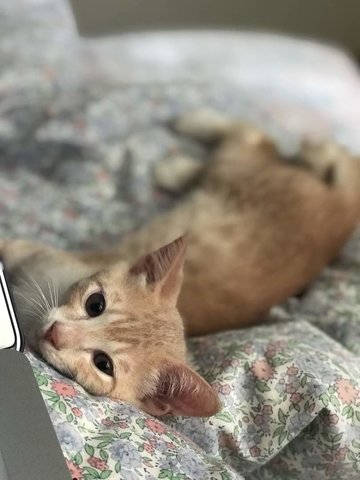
[176,174]
[324,159]
[205,124]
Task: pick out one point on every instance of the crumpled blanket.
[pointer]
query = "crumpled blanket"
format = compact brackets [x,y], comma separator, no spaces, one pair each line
[82,123]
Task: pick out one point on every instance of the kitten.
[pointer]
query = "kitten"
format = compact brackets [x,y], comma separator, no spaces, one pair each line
[258,231]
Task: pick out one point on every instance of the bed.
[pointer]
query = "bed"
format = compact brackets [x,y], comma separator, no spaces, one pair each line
[83,123]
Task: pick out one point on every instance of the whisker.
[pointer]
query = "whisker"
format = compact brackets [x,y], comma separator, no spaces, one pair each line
[40,305]
[29,300]
[51,295]
[37,297]
[29,306]
[56,293]
[32,313]
[46,303]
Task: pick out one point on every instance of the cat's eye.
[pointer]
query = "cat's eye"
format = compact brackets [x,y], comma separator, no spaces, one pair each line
[95,304]
[103,363]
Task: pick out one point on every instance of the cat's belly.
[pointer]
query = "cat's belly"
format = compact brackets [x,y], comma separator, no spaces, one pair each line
[240,264]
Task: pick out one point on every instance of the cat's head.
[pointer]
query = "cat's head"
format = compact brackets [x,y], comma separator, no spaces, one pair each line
[119,334]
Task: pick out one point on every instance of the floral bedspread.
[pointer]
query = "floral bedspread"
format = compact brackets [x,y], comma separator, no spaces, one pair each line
[82,123]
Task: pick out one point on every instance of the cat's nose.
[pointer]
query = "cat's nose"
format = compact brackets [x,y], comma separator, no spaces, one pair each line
[52,335]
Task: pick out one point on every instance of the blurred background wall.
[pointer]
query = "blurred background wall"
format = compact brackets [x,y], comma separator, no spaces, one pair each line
[337,21]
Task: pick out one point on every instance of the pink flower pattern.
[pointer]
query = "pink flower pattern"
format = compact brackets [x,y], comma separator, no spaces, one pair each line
[97,463]
[346,390]
[262,370]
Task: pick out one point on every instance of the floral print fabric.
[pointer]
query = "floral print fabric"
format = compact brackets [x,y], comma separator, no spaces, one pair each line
[79,135]
[291,397]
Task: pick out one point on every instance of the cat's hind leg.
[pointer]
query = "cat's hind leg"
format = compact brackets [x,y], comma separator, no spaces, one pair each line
[240,150]
[176,174]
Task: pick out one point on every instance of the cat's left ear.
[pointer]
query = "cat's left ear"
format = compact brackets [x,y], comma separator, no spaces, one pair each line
[163,268]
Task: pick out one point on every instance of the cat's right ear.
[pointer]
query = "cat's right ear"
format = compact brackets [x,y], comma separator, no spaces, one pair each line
[180,390]
[163,268]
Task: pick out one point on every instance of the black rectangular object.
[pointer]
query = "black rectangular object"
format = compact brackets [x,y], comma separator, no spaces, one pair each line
[28,444]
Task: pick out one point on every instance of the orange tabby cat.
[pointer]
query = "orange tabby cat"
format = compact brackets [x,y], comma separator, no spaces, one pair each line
[258,230]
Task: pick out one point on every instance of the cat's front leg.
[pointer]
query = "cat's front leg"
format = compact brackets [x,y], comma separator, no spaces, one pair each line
[14,252]
[27,258]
